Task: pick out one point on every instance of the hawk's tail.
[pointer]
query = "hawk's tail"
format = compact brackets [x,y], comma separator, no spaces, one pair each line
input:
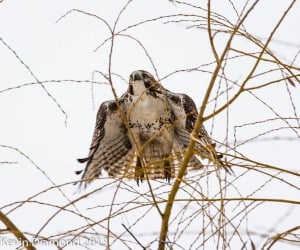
[164,167]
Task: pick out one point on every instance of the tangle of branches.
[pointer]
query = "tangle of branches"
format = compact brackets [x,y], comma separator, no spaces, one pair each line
[207,209]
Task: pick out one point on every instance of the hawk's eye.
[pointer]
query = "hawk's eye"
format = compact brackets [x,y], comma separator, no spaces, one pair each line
[145,76]
[147,84]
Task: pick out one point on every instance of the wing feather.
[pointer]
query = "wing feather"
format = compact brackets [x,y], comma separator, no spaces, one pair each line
[110,142]
[186,114]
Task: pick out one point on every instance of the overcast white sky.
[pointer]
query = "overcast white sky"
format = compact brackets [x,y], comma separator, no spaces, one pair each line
[32,122]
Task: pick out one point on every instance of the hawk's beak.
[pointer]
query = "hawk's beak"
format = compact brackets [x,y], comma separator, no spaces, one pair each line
[135,76]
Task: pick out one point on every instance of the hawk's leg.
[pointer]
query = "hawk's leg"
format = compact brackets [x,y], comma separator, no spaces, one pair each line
[139,172]
[167,170]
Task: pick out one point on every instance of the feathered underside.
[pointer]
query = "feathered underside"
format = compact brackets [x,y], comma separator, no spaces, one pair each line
[112,151]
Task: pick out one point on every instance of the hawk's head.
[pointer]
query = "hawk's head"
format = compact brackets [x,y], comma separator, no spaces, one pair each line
[141,81]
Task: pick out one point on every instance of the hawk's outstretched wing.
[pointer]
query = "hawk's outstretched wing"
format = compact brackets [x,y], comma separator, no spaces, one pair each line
[186,113]
[110,147]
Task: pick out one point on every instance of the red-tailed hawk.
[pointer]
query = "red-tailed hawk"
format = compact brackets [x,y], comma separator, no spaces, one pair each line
[145,134]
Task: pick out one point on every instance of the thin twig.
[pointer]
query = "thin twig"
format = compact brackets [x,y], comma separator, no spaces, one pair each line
[133,236]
